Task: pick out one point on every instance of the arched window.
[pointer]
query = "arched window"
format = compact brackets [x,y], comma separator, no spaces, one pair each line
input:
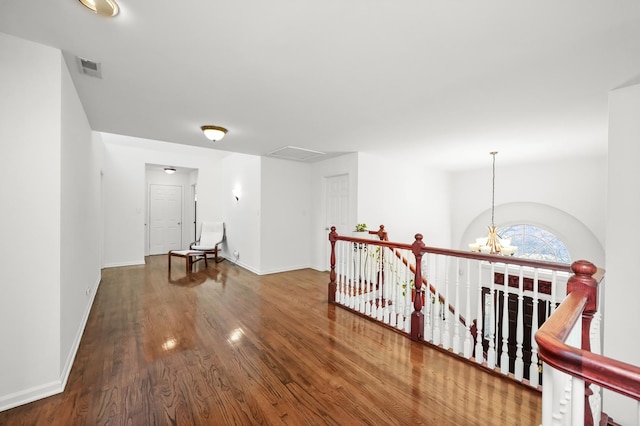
[536,243]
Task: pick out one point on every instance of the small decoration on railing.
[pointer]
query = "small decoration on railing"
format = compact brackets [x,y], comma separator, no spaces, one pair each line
[361,227]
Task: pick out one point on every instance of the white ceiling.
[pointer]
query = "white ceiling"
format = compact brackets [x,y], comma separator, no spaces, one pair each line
[448,80]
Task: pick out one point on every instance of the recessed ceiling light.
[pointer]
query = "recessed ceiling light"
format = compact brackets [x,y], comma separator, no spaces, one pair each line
[102,7]
[214,133]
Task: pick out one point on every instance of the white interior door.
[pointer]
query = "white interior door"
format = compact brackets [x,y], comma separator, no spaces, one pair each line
[336,209]
[165,218]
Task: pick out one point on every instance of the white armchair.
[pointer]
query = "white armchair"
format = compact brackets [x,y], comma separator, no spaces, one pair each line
[211,236]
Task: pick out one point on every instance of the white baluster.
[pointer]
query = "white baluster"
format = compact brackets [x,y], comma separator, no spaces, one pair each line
[548,394]
[519,364]
[577,401]
[456,311]
[596,347]
[446,334]
[399,273]
[345,273]
[382,303]
[479,349]
[554,283]
[428,307]
[407,297]
[378,267]
[533,368]
[377,275]
[343,270]
[355,266]
[564,408]
[387,289]
[491,352]
[434,302]
[408,302]
[338,269]
[467,335]
[368,285]
[374,301]
[366,268]
[504,356]
[362,277]
[391,277]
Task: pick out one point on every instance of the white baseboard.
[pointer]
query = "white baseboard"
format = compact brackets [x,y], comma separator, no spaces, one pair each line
[42,391]
[119,264]
[29,395]
[243,266]
[319,268]
[64,375]
[285,269]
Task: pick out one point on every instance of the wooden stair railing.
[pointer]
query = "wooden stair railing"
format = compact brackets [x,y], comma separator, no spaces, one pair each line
[471,276]
[382,234]
[581,304]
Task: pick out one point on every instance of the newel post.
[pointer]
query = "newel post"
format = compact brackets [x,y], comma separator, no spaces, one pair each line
[583,281]
[332,275]
[417,317]
[382,234]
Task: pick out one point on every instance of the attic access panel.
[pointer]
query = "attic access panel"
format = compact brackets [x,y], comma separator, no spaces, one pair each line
[295,153]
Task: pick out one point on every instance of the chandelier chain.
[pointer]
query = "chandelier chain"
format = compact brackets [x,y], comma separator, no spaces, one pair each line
[493,188]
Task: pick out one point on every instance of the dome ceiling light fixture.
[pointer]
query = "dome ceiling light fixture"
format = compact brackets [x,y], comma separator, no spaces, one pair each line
[107,8]
[169,170]
[214,133]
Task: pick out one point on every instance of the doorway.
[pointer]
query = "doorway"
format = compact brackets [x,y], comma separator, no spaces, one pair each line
[336,209]
[165,218]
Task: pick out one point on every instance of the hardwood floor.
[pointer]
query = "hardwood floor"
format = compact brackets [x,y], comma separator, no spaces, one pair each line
[224,346]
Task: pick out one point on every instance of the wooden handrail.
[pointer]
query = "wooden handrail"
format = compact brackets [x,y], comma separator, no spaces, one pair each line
[603,371]
[607,372]
[540,264]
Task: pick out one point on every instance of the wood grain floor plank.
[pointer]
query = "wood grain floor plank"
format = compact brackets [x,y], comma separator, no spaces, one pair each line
[222,346]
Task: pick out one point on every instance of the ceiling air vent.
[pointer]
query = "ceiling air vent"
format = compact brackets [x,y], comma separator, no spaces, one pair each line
[89,67]
[295,153]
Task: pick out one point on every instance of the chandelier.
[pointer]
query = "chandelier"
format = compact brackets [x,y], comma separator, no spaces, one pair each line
[493,244]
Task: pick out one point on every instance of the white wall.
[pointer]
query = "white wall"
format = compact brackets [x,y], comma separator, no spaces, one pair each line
[124,190]
[30,133]
[319,236]
[80,221]
[47,142]
[623,211]
[553,195]
[242,217]
[404,196]
[285,226]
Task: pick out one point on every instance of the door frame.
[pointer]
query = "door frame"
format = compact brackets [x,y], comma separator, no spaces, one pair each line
[326,250]
[182,213]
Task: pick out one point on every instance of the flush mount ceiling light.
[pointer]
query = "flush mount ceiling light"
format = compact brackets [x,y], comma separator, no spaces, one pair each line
[102,7]
[169,170]
[214,133]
